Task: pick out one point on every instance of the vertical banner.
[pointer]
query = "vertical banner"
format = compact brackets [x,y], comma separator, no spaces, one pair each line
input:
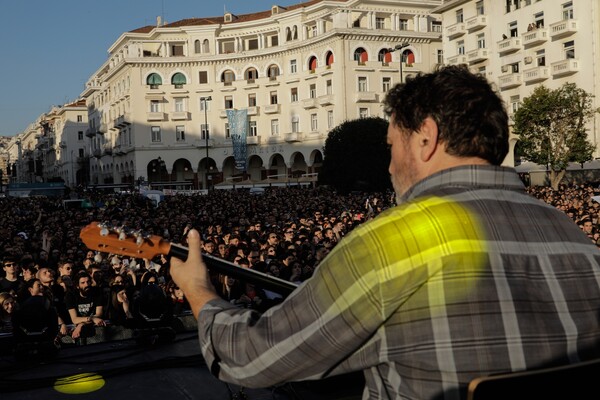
[238,123]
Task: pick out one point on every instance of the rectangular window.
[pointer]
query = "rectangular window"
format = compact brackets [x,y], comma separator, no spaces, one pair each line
[514,68]
[362,84]
[481,41]
[363,112]
[202,77]
[569,48]
[514,103]
[80,118]
[177,50]
[252,100]
[227,132]
[180,133]
[81,153]
[380,23]
[460,47]
[179,104]
[227,47]
[312,91]
[253,44]
[274,127]
[205,131]
[293,67]
[329,87]
[313,30]
[436,26]
[295,125]
[154,106]
[512,28]
[440,56]
[252,130]
[460,17]
[540,57]
[480,10]
[294,95]
[273,98]
[481,71]
[568,10]
[313,123]
[386,84]
[274,41]
[80,135]
[204,104]
[156,135]
[403,25]
[330,119]
[539,20]
[228,102]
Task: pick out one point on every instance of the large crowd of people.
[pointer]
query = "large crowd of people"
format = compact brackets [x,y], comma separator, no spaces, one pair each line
[284,232]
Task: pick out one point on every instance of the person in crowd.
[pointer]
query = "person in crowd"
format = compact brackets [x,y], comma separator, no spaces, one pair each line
[11,281]
[7,307]
[466,276]
[85,307]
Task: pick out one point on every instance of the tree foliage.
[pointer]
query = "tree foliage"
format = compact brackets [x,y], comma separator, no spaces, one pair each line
[551,125]
[356,156]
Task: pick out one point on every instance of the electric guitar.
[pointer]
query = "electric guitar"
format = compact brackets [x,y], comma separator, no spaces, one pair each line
[135,243]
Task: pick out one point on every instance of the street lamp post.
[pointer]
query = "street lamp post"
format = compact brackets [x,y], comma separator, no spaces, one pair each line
[399,47]
[205,99]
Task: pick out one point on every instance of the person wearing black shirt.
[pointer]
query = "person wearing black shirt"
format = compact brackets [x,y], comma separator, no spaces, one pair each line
[85,307]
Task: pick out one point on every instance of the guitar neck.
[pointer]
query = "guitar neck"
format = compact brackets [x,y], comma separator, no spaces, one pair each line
[228,268]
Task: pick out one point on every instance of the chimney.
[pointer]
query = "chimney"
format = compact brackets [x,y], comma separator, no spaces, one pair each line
[158,21]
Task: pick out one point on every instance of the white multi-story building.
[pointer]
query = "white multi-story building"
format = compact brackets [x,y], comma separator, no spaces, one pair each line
[520,44]
[157,106]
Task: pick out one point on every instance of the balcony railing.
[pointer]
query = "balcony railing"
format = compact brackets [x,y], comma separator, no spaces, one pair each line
[456,30]
[459,59]
[253,139]
[326,100]
[509,45]
[569,66]
[252,111]
[294,137]
[366,97]
[180,116]
[535,37]
[510,80]
[155,116]
[310,103]
[476,22]
[563,28]
[537,74]
[477,55]
[271,108]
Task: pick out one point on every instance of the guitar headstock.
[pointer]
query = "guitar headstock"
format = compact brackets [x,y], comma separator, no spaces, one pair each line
[123,241]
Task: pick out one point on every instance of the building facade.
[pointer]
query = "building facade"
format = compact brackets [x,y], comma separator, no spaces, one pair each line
[520,44]
[158,105]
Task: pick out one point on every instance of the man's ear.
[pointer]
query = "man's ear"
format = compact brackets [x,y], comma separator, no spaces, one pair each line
[428,139]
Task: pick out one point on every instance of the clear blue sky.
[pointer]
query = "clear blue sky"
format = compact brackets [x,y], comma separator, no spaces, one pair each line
[50,48]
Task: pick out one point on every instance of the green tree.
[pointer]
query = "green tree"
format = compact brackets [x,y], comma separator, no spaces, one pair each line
[356,156]
[551,125]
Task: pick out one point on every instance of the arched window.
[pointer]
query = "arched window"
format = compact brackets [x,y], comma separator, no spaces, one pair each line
[197,48]
[329,58]
[288,34]
[295,33]
[408,57]
[361,55]
[205,46]
[273,72]
[228,77]
[312,64]
[178,80]
[384,56]
[154,80]
[250,75]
